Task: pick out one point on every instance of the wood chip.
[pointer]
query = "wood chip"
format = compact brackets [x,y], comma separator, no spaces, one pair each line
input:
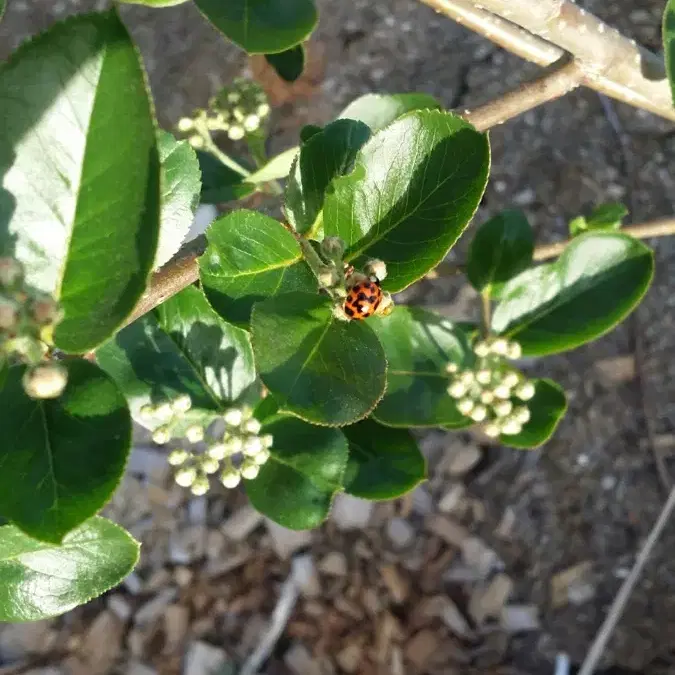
[397,585]
[119,606]
[242,523]
[102,643]
[462,460]
[447,529]
[566,585]
[349,658]
[203,658]
[480,557]
[300,662]
[155,607]
[20,640]
[334,564]
[176,625]
[400,533]
[421,647]
[351,513]
[487,601]
[618,369]
[452,499]
[285,541]
[519,618]
[138,668]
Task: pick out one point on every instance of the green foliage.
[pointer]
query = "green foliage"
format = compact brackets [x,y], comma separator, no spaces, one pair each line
[61,458]
[411,214]
[606,217]
[80,173]
[669,43]
[155,3]
[296,486]
[40,580]
[289,64]
[262,26]
[3,6]
[250,257]
[380,110]
[219,182]
[501,248]
[384,463]
[597,281]
[419,345]
[278,167]
[323,370]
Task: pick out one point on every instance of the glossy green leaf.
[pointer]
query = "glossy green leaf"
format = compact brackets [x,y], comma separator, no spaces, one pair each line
[413,191]
[278,167]
[262,26]
[181,186]
[40,580]
[380,110]
[61,458]
[80,171]
[501,248]
[597,281]
[384,463]
[669,43]
[219,182]
[296,486]
[289,64]
[419,345]
[328,154]
[547,408]
[603,217]
[321,369]
[308,131]
[250,257]
[182,347]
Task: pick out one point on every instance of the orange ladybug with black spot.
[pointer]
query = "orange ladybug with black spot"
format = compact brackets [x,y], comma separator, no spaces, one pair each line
[363,298]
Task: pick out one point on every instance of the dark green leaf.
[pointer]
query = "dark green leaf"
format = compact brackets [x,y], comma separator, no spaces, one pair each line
[669,43]
[501,248]
[39,580]
[328,154]
[250,257]
[181,185]
[80,172]
[598,280]
[604,217]
[413,191]
[297,484]
[308,131]
[547,409]
[61,458]
[289,64]
[321,369]
[2,7]
[262,26]
[384,463]
[182,347]
[278,167]
[419,345]
[219,182]
[380,110]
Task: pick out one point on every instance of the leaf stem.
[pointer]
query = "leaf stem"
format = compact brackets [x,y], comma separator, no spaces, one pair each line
[204,133]
[486,311]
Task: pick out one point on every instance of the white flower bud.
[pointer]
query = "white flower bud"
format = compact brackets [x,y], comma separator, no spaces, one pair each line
[147,410]
[163,409]
[511,427]
[252,446]
[217,451]
[457,389]
[491,429]
[261,457]
[502,391]
[481,349]
[487,397]
[185,124]
[233,97]
[484,376]
[267,440]
[194,434]
[499,346]
[386,306]
[213,123]
[234,445]
[210,465]
[451,368]
[522,414]
[249,469]
[46,311]
[9,315]
[376,268]
[327,276]
[511,379]
[161,435]
[251,122]
[333,247]
[252,426]
[182,404]
[514,351]
[178,457]
[479,413]
[502,408]
[465,406]
[236,133]
[200,487]
[45,381]
[230,478]
[233,417]
[11,271]
[263,110]
[526,391]
[186,477]
[238,114]
[196,142]
[467,377]
[340,314]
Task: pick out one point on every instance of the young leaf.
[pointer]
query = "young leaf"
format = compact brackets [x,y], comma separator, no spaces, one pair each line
[278,167]
[419,345]
[262,26]
[289,64]
[669,43]
[182,347]
[547,408]
[501,248]
[380,110]
[219,182]
[181,185]
[296,486]
[328,154]
[40,580]
[413,191]
[250,257]
[61,458]
[597,281]
[603,217]
[384,463]
[319,368]
[80,171]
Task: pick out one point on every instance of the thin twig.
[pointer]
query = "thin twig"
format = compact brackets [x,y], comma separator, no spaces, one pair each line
[622,597]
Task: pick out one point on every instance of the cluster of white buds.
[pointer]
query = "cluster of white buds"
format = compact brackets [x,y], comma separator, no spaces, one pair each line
[493,393]
[238,453]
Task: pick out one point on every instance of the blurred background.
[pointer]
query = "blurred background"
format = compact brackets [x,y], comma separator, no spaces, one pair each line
[504,559]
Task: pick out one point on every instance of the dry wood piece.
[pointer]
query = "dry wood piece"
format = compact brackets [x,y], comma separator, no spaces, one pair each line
[102,644]
[572,585]
[462,459]
[350,658]
[176,625]
[519,618]
[241,523]
[421,648]
[488,601]
[204,658]
[447,529]
[397,585]
[334,564]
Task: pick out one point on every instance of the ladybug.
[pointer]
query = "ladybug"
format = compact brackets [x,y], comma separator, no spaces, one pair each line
[363,299]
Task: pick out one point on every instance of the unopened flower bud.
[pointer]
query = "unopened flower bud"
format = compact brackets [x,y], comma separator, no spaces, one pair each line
[457,389]
[236,133]
[230,478]
[233,97]
[233,445]
[185,124]
[386,306]
[178,457]
[376,268]
[249,469]
[479,413]
[522,414]
[186,477]
[467,377]
[511,427]
[200,486]
[182,404]
[233,417]
[251,122]
[465,406]
[196,142]
[252,446]
[484,377]
[45,311]
[267,440]
[147,410]
[252,426]
[11,271]
[502,408]
[263,110]
[194,434]
[161,435]
[499,347]
[217,451]
[481,349]
[163,409]
[327,276]
[451,368]
[333,248]
[45,381]
[487,397]
[511,379]
[492,430]
[502,391]
[262,457]
[514,350]
[210,465]
[526,391]
[9,315]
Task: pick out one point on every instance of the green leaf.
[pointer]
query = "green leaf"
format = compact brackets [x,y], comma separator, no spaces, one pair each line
[289,64]
[604,217]
[3,6]
[39,580]
[61,458]
[155,3]
[181,186]
[419,345]
[80,172]
[262,26]
[182,347]
[319,368]
[219,182]
[597,281]
[278,167]
[501,248]
[384,463]
[669,43]
[250,257]
[547,408]
[380,110]
[329,153]
[413,191]
[296,485]
[307,132]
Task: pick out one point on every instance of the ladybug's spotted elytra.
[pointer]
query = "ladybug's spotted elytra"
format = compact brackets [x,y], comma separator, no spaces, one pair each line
[363,299]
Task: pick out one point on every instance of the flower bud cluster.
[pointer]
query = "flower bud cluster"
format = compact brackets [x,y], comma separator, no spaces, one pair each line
[493,393]
[238,453]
